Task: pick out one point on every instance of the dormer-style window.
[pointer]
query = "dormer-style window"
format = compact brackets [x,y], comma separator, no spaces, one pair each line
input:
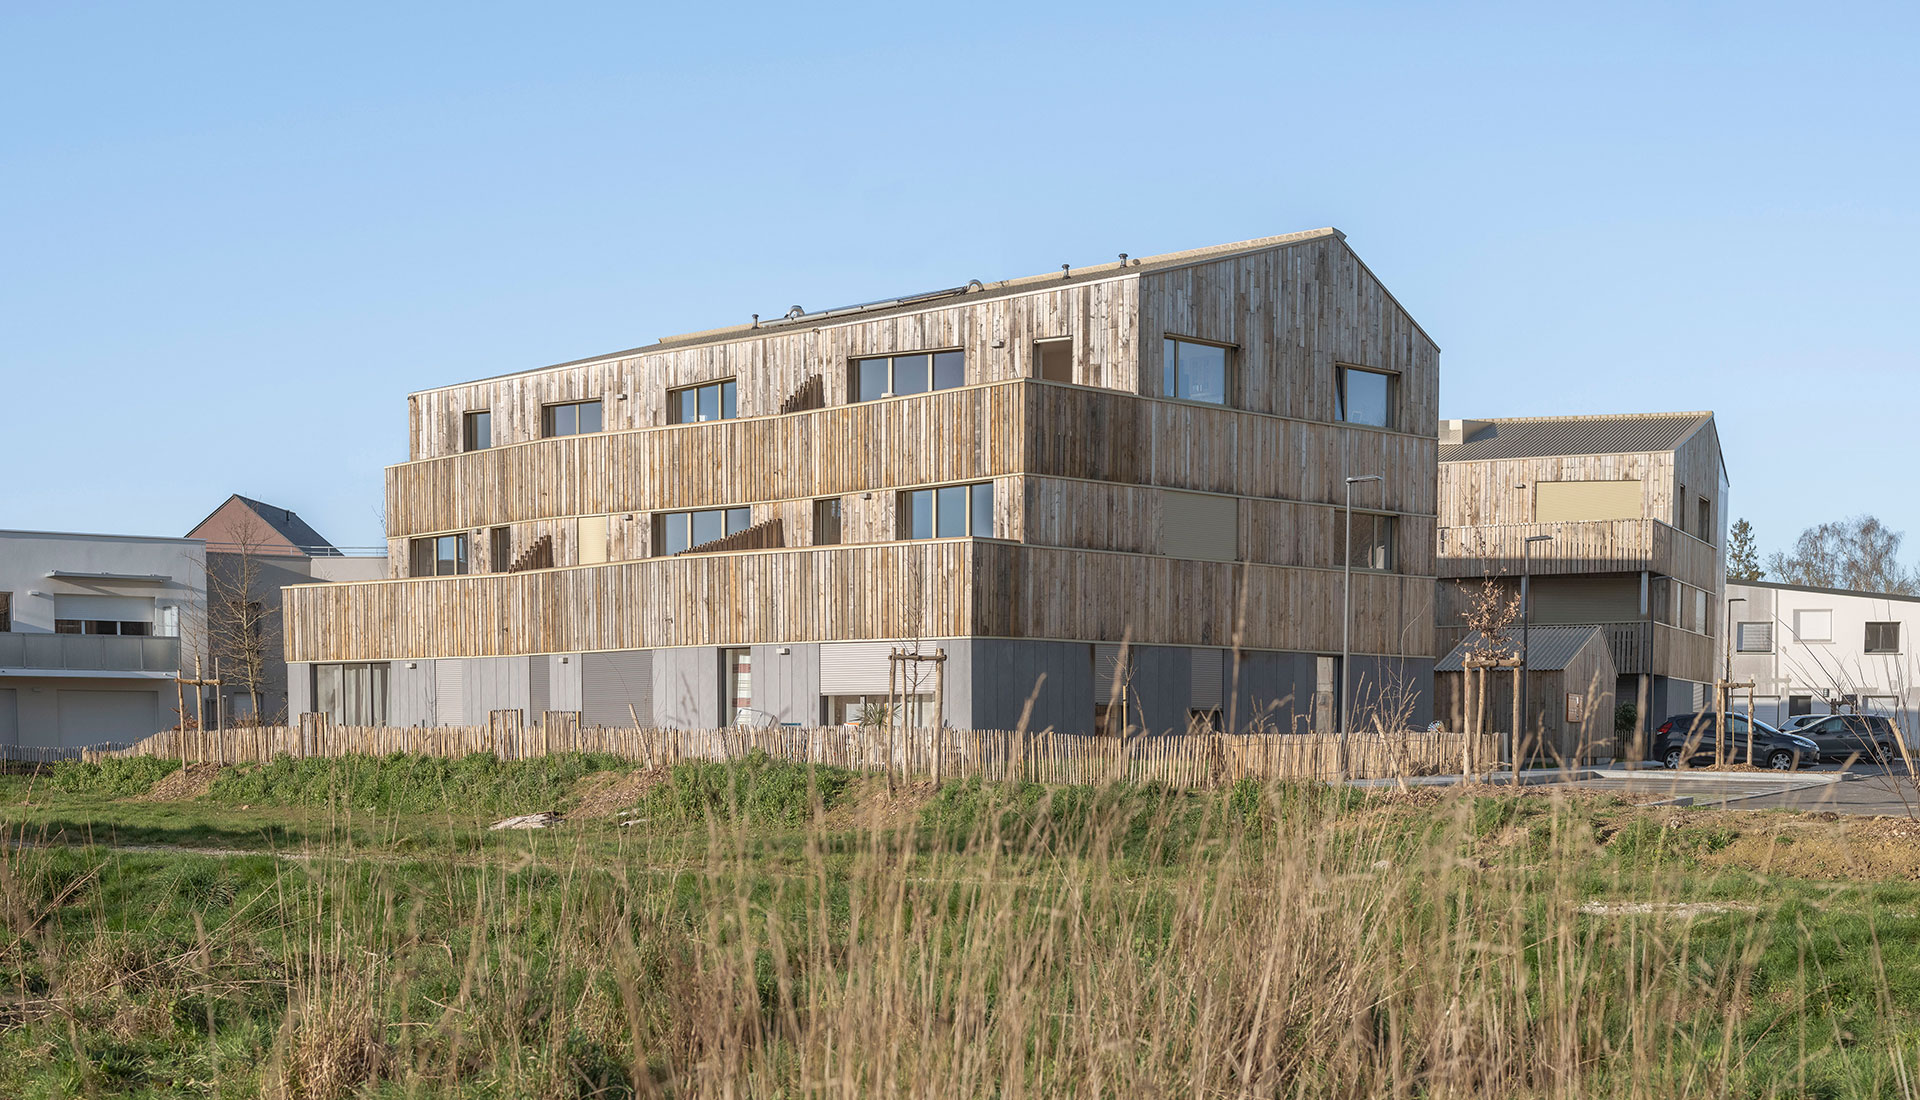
[1195,371]
[699,404]
[900,375]
[574,418]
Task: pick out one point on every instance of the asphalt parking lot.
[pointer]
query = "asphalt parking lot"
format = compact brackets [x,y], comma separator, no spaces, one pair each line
[1859,790]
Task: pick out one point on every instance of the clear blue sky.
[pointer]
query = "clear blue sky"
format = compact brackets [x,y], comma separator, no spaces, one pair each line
[235,237]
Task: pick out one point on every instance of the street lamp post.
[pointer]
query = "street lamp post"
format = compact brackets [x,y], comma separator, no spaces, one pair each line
[1346,616]
[1526,633]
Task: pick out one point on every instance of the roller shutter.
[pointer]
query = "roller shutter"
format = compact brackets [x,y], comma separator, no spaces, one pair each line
[856,668]
[616,687]
[1585,599]
[1209,677]
[450,692]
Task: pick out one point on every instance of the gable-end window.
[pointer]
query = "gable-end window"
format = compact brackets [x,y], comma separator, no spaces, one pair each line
[574,418]
[6,612]
[1193,371]
[900,375]
[950,512]
[1372,546]
[1706,520]
[441,556]
[678,532]
[699,404]
[1883,637]
[1813,626]
[500,549]
[1364,396]
[1753,637]
[826,521]
[476,430]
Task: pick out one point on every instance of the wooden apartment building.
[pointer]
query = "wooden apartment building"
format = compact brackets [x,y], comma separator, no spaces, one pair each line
[1021,475]
[1635,507]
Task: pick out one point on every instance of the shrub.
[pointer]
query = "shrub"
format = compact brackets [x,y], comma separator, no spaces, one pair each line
[114,777]
[763,790]
[405,783]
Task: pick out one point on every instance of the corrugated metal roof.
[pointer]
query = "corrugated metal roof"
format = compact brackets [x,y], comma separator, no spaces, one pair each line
[1548,436]
[1553,647]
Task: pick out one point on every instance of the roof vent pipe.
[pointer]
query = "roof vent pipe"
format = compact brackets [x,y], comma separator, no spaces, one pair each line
[756,320]
[1123,259]
[796,313]
[1066,272]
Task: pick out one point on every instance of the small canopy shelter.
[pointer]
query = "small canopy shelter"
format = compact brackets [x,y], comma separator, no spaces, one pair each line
[1570,696]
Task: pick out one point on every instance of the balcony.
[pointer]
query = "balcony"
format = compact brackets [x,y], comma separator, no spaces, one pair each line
[23,654]
[1596,546]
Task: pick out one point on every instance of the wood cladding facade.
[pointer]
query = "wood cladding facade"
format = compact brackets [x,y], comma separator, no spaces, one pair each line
[934,589]
[1078,548]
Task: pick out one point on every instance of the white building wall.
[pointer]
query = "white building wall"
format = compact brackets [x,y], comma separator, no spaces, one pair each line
[1833,674]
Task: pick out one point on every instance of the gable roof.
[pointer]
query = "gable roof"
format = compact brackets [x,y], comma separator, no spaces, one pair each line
[1552,436]
[973,291]
[1552,648]
[284,523]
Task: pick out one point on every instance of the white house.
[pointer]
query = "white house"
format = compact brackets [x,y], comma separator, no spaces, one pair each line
[92,632]
[1824,650]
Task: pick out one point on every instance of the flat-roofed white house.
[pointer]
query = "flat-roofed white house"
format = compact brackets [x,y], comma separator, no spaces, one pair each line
[1825,650]
[92,628]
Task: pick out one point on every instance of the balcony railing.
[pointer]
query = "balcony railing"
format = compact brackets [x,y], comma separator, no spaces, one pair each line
[104,652]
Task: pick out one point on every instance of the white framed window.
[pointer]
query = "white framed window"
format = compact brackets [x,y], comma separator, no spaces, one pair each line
[949,512]
[1813,625]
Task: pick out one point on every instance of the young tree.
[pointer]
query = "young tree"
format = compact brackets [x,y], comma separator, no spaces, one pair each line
[1861,554]
[1743,557]
[242,612]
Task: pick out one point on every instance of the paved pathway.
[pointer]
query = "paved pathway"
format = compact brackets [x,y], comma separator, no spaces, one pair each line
[1864,791]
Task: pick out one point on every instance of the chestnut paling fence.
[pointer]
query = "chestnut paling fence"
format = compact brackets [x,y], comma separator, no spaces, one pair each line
[1193,759]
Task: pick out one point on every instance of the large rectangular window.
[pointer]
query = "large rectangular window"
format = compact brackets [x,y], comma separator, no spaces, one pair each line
[476,431]
[1883,637]
[699,404]
[1372,546]
[1365,396]
[1193,371]
[901,375]
[574,418]
[127,628]
[437,556]
[1753,637]
[826,522]
[678,532]
[351,694]
[950,512]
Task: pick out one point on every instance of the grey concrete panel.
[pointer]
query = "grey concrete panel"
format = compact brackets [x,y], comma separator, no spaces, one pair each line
[1159,689]
[959,699]
[1272,691]
[1058,676]
[9,716]
[1380,684]
[497,683]
[410,694]
[787,685]
[299,690]
[686,687]
[563,681]
[89,716]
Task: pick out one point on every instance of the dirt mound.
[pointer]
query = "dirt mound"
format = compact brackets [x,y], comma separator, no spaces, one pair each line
[1825,846]
[604,794]
[191,781]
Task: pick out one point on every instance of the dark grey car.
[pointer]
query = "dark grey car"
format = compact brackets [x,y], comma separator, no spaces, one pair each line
[1868,738]
[1688,739]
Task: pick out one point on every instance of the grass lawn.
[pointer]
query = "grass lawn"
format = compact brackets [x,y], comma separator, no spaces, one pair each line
[351,928]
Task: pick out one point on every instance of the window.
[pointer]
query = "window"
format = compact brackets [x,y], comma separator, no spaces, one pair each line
[500,549]
[826,522]
[1053,360]
[1700,611]
[1813,626]
[1372,541]
[900,375]
[1706,520]
[577,418]
[6,612]
[699,404]
[951,512]
[678,532]
[437,556]
[351,694]
[1192,371]
[124,628]
[1883,637]
[1365,396]
[476,432]
[1753,637]
[736,667]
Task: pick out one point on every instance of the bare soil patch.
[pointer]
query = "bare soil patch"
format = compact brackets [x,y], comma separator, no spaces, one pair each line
[869,806]
[188,782]
[604,794]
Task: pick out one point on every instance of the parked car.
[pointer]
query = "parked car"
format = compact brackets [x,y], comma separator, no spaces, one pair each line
[1771,748]
[1869,738]
[1799,723]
